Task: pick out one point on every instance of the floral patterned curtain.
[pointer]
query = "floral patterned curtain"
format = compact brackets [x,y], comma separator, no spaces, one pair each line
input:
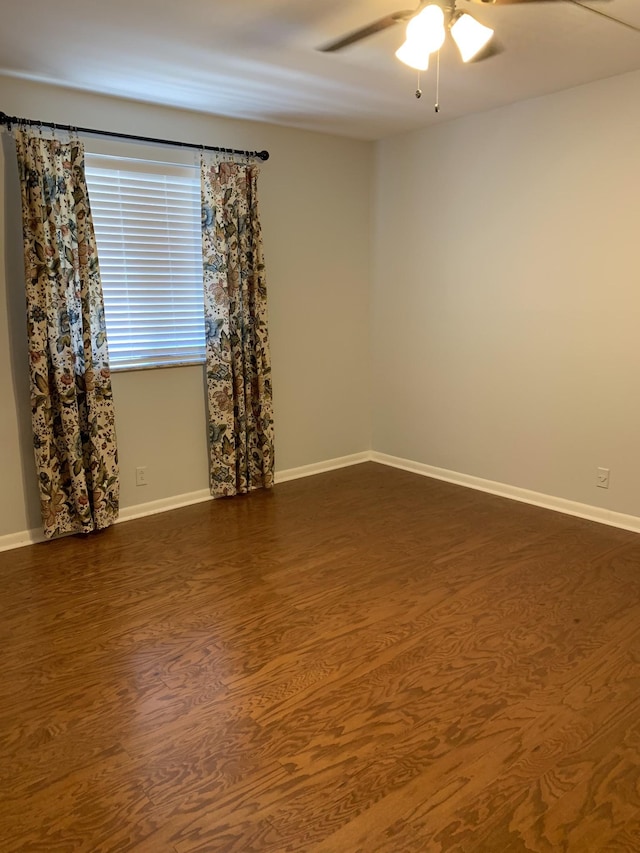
[238,365]
[71,403]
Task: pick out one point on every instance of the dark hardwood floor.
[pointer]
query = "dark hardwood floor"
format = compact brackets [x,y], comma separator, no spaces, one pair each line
[365,660]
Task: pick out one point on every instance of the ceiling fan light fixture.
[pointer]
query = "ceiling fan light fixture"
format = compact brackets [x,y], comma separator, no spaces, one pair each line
[425,35]
[469,35]
[427,28]
[413,54]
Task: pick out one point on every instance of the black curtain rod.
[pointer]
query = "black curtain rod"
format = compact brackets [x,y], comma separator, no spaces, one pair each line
[9,120]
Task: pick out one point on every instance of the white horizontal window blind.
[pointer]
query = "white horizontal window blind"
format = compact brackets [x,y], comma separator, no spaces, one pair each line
[146,217]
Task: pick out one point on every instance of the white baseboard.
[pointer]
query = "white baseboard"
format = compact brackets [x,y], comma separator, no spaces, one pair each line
[153,507]
[128,513]
[177,501]
[18,540]
[591,513]
[30,537]
[322,467]
[587,511]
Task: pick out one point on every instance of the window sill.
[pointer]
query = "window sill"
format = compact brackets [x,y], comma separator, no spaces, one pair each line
[126,368]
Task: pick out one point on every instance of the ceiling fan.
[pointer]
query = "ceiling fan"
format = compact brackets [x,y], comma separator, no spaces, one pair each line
[428,24]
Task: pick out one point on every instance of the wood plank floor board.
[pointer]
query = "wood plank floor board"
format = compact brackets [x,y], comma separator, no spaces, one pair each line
[366,660]
[97,808]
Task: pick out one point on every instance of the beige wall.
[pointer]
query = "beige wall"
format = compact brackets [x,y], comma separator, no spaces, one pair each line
[506,307]
[315,209]
[505,299]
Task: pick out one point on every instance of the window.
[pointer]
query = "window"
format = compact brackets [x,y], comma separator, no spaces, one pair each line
[146,216]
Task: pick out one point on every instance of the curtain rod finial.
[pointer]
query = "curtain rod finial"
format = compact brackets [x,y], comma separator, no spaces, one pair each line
[263,155]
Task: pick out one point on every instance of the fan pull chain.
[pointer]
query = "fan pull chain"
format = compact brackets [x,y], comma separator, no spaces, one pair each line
[418,90]
[437,103]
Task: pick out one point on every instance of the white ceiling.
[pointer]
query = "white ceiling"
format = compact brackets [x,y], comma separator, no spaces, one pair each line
[256,59]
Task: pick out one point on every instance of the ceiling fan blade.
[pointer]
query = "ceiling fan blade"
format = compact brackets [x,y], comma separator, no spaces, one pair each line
[370,30]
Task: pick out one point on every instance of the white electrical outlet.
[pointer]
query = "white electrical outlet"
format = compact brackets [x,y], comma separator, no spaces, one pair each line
[141,476]
[602,478]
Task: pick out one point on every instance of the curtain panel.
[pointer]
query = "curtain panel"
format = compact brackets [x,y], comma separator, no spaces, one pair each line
[71,401]
[238,365]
